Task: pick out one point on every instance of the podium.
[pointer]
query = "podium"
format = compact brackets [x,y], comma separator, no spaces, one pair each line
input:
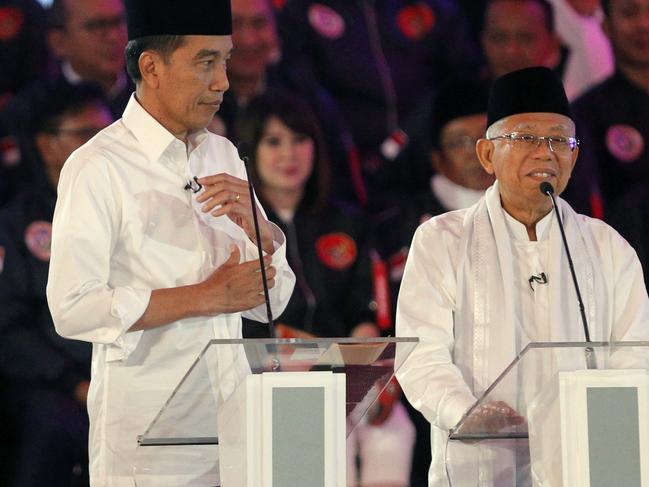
[579,417]
[266,413]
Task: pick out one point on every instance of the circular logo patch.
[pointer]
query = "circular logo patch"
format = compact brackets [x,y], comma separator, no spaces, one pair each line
[624,142]
[326,21]
[38,238]
[336,250]
[11,21]
[415,21]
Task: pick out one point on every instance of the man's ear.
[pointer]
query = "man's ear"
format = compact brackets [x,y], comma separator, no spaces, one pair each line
[151,64]
[484,149]
[44,144]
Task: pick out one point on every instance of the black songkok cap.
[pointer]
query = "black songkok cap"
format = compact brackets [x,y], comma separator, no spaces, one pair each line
[455,101]
[529,90]
[176,17]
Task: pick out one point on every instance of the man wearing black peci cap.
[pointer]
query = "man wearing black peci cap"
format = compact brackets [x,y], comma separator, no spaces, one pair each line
[153,248]
[482,283]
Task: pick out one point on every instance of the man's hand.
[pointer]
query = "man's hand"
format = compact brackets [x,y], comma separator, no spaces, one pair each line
[491,418]
[235,287]
[224,194]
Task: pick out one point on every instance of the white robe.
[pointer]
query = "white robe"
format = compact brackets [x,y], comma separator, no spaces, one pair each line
[459,298]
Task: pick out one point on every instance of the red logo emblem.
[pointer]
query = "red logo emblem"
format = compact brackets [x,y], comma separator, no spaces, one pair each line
[624,142]
[326,21]
[415,21]
[11,21]
[38,238]
[336,250]
[278,5]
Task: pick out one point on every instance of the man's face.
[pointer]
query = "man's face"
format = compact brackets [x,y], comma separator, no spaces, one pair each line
[456,158]
[628,28]
[254,38]
[93,39]
[191,83]
[515,37]
[521,171]
[75,129]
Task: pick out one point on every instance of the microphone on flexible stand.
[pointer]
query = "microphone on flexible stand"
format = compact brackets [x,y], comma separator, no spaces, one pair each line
[547,189]
[243,149]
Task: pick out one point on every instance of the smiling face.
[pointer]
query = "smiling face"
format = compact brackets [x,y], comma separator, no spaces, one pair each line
[185,91]
[284,158]
[520,172]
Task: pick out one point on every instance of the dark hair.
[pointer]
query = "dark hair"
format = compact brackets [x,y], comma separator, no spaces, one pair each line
[548,12]
[296,115]
[55,101]
[164,45]
[57,15]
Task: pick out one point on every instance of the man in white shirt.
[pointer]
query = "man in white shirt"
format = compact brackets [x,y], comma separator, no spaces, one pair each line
[142,266]
[466,291]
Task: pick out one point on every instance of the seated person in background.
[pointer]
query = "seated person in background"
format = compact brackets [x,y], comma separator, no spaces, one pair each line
[254,68]
[87,38]
[466,289]
[459,181]
[327,248]
[47,375]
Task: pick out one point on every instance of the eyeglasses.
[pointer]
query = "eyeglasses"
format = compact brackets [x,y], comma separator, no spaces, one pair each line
[530,142]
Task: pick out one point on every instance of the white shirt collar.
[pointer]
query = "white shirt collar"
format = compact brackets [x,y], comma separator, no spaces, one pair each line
[151,134]
[518,230]
[453,196]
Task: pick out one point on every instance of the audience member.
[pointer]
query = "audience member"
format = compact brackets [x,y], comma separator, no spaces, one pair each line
[614,115]
[328,249]
[379,60]
[459,182]
[590,57]
[519,34]
[47,376]
[88,38]
[253,69]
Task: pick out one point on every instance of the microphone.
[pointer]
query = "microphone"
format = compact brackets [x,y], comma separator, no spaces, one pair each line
[547,189]
[539,278]
[193,185]
[243,150]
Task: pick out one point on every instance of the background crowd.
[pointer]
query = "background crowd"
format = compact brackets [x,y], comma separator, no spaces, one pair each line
[361,117]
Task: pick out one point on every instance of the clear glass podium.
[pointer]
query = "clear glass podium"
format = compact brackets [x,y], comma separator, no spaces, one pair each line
[561,414]
[181,445]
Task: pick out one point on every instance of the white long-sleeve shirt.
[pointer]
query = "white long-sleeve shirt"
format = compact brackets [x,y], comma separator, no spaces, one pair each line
[465,294]
[123,226]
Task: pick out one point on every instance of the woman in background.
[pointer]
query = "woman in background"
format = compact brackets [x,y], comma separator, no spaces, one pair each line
[328,249]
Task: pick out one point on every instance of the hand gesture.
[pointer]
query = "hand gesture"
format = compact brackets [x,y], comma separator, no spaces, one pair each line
[224,194]
[235,287]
